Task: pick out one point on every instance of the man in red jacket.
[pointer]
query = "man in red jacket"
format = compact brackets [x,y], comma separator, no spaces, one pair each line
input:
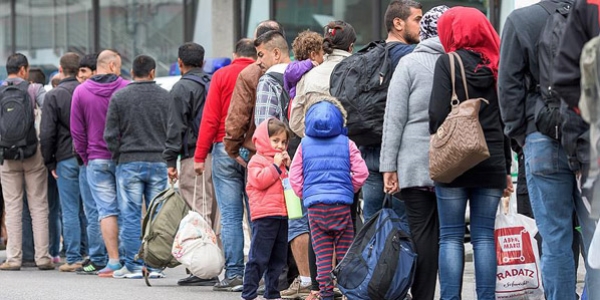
[228,175]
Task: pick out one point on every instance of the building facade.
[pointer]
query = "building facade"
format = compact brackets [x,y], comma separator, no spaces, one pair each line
[46,29]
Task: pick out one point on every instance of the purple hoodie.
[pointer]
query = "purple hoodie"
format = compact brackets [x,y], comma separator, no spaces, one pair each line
[88,115]
[293,73]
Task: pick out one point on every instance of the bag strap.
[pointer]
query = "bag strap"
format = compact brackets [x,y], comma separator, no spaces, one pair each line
[462,74]
[203,195]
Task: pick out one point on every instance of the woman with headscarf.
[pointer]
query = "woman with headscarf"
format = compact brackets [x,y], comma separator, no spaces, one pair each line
[404,158]
[468,32]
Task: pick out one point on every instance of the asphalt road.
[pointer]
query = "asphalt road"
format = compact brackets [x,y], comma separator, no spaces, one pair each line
[32,284]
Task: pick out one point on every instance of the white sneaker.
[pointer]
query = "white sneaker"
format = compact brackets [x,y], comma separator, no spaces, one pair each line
[125,273]
[156,274]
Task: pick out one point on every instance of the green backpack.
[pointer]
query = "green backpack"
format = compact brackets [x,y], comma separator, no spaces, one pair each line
[159,228]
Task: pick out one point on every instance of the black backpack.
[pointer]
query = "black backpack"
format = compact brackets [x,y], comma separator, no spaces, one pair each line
[284,104]
[548,119]
[18,139]
[197,108]
[360,82]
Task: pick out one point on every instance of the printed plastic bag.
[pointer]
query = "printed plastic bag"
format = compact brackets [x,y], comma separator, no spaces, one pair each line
[196,248]
[518,274]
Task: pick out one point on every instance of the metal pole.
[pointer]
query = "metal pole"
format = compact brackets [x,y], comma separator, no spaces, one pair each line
[13,26]
[96,25]
[376,20]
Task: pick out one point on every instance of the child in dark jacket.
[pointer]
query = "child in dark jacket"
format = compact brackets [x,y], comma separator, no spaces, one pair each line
[268,249]
[326,172]
[308,53]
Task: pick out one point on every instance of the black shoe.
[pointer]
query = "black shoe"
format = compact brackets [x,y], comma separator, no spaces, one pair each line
[89,268]
[234,284]
[197,281]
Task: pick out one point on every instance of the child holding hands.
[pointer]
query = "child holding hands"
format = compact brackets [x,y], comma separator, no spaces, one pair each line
[326,172]
[268,250]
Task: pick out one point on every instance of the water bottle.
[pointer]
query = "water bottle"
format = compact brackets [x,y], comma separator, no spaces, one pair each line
[292,202]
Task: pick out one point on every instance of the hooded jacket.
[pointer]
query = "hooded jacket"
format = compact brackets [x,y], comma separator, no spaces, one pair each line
[405,143]
[88,115]
[55,133]
[328,167]
[316,80]
[519,70]
[264,188]
[492,172]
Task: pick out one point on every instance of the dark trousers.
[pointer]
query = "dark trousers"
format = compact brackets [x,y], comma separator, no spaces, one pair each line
[268,252]
[421,210]
[331,228]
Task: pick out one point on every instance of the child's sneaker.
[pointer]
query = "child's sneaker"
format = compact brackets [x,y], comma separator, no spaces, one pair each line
[314,295]
[107,272]
[125,273]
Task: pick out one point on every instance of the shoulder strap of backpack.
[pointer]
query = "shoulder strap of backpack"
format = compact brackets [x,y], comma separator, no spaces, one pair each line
[283,106]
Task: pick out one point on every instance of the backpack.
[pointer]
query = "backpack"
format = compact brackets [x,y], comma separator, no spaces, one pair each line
[381,261]
[284,105]
[360,82]
[198,107]
[18,138]
[548,120]
[159,228]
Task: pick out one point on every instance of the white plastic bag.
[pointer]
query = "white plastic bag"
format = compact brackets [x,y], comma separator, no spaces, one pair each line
[518,274]
[594,252]
[196,248]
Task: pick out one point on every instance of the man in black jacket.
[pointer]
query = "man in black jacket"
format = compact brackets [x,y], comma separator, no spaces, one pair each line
[57,150]
[583,24]
[188,101]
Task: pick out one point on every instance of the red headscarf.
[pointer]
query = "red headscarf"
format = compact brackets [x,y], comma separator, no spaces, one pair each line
[468,28]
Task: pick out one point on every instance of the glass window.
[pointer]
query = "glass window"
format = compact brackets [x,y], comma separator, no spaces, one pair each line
[297,16]
[46,29]
[150,27]
[5,36]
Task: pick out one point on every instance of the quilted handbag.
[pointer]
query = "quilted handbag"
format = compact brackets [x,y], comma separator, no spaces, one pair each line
[459,144]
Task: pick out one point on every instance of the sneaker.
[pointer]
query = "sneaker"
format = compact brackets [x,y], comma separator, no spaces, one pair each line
[230,284]
[154,274]
[125,273]
[56,260]
[296,290]
[70,267]
[107,272]
[6,266]
[89,268]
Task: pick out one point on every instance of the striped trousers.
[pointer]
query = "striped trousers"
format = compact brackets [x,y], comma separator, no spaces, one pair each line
[331,230]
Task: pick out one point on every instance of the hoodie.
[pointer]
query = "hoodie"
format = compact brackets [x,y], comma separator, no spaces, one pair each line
[328,167]
[264,188]
[88,115]
[405,143]
[492,172]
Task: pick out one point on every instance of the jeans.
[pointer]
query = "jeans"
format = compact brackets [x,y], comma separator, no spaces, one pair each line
[54,220]
[137,182]
[96,248]
[229,182]
[268,257]
[554,196]
[70,202]
[483,205]
[372,191]
[103,184]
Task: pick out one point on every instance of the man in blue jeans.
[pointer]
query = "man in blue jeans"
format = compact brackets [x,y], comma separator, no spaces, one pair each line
[57,150]
[136,128]
[228,175]
[88,120]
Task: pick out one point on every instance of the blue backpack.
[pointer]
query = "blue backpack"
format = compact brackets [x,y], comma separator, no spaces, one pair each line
[381,261]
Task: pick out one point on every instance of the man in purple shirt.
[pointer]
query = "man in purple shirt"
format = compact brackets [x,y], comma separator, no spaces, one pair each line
[88,119]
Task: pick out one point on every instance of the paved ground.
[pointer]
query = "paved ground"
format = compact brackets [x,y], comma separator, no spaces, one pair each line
[31,284]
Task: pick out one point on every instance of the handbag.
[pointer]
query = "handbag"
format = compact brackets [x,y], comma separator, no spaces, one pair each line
[458,144]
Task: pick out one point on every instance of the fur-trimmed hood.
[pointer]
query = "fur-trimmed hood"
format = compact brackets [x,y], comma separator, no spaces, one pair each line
[325,116]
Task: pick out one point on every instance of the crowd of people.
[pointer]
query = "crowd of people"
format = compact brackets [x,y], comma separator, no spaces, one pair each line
[108,146]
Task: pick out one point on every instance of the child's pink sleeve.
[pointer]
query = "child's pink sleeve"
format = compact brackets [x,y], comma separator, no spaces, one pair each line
[297,174]
[358,167]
